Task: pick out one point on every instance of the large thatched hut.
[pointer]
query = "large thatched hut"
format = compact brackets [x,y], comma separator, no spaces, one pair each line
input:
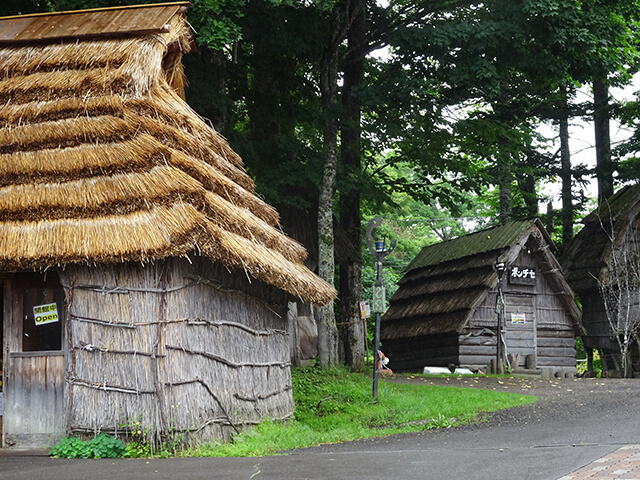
[596,258]
[445,309]
[143,280]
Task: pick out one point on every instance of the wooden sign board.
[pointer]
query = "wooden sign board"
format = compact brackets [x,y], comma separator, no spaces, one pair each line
[522,275]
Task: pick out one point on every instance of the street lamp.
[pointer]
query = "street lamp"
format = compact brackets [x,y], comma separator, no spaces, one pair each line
[379,250]
[499,266]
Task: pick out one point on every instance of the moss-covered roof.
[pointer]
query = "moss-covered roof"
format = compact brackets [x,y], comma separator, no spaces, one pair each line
[483,241]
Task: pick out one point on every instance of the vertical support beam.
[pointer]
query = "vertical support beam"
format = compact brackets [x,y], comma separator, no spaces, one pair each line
[70,353]
[6,318]
[159,351]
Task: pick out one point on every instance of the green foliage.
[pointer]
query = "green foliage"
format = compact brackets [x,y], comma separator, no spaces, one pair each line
[71,447]
[216,22]
[21,7]
[139,444]
[135,449]
[102,446]
[333,406]
[581,357]
[415,224]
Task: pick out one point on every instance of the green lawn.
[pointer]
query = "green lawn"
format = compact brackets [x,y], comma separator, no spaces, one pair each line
[336,406]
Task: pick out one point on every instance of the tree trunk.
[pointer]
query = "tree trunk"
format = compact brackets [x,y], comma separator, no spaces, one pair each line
[527,184]
[505,200]
[327,330]
[550,220]
[565,175]
[219,63]
[604,166]
[352,331]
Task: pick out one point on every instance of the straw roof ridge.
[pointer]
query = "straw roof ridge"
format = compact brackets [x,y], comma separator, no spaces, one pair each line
[239,221]
[50,66]
[64,133]
[142,236]
[140,153]
[175,111]
[79,198]
[39,111]
[125,193]
[437,302]
[79,83]
[471,266]
[131,66]
[192,145]
[442,323]
[71,132]
[75,55]
[215,181]
[266,265]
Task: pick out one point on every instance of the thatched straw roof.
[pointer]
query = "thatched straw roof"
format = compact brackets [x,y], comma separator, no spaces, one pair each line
[585,260]
[446,282]
[101,160]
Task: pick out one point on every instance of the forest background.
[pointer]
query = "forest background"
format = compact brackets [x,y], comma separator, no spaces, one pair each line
[428,113]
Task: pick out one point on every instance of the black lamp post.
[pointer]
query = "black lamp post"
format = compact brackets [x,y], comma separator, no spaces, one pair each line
[379,250]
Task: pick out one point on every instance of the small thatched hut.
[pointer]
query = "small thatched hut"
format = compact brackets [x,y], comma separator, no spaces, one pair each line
[143,280]
[444,311]
[612,227]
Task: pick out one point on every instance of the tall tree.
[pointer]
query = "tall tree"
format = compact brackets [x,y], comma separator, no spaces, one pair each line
[327,331]
[614,57]
[601,117]
[353,330]
[565,174]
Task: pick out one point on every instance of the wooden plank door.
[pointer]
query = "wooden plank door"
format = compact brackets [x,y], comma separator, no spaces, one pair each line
[33,386]
[520,325]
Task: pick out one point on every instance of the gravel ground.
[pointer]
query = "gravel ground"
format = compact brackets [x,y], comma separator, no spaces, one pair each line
[567,400]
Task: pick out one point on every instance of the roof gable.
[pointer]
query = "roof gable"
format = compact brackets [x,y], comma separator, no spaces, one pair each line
[487,240]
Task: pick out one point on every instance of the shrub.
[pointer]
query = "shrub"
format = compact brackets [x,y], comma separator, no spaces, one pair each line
[102,446]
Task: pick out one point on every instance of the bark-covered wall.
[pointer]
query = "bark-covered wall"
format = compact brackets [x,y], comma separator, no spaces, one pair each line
[187,349]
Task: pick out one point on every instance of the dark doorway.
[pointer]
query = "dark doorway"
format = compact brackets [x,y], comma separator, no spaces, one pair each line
[33,389]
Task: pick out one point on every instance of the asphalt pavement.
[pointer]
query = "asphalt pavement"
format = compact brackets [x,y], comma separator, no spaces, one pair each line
[579,429]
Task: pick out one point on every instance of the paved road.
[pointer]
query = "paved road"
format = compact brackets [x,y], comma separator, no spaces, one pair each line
[577,422]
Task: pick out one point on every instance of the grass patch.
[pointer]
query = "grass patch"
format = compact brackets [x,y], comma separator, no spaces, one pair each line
[335,406]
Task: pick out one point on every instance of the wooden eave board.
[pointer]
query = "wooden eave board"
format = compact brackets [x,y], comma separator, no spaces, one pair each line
[97,23]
